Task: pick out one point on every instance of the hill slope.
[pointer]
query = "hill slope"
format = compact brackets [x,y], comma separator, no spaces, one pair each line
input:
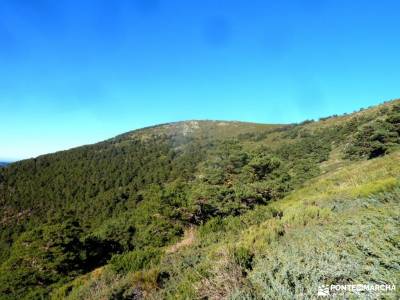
[238,194]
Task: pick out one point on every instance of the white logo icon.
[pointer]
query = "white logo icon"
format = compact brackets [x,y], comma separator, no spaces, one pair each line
[323,290]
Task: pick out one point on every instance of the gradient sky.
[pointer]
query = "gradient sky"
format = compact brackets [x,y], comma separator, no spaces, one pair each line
[77,72]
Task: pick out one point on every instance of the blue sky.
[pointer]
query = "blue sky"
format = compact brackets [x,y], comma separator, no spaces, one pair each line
[77,72]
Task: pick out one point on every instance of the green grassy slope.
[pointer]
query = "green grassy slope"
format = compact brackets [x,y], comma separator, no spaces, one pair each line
[208,210]
[341,228]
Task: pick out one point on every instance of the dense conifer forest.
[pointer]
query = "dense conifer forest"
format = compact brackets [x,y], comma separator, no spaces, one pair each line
[206,210]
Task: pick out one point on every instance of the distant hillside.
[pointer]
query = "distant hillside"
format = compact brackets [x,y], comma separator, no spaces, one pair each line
[206,210]
[3,164]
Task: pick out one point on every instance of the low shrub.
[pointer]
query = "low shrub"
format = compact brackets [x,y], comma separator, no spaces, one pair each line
[243,257]
[135,260]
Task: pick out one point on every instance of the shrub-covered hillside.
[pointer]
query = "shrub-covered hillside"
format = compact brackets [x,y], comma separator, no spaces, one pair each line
[207,210]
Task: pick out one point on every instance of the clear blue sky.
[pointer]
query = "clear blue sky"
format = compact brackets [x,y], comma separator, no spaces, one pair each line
[77,72]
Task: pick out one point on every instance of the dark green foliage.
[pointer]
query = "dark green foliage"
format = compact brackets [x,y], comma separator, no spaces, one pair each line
[42,257]
[375,138]
[303,170]
[225,161]
[157,233]
[135,260]
[327,118]
[96,183]
[98,180]
[96,252]
[233,181]
[263,165]
[310,147]
[119,231]
[394,119]
[307,122]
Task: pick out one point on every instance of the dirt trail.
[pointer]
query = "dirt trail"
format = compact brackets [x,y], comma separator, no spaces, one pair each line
[187,240]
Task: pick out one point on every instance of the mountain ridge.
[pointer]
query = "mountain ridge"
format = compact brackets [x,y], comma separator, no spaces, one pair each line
[249,124]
